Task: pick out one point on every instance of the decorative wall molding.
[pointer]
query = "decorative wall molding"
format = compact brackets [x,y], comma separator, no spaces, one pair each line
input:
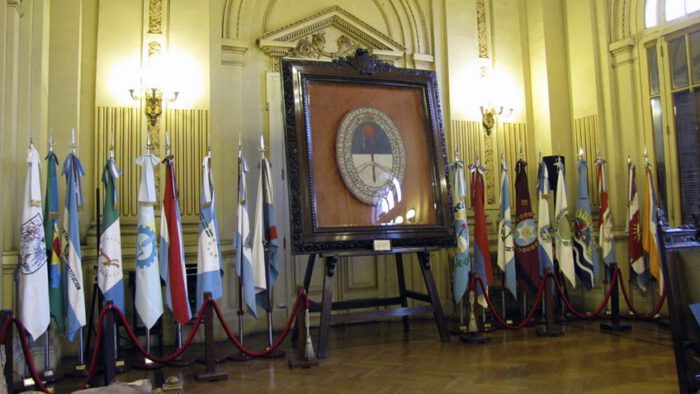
[233,52]
[155,16]
[482,29]
[17,4]
[306,38]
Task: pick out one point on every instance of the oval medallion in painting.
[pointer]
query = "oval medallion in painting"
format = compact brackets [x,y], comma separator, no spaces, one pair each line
[370,154]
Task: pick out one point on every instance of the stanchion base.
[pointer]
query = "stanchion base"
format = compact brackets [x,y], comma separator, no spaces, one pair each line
[474,337]
[182,362]
[51,376]
[276,354]
[120,366]
[79,371]
[211,376]
[146,364]
[609,327]
[239,357]
[300,362]
[172,385]
[550,332]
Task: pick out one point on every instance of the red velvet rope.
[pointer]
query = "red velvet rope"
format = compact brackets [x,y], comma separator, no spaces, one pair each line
[638,314]
[495,314]
[27,354]
[269,350]
[598,310]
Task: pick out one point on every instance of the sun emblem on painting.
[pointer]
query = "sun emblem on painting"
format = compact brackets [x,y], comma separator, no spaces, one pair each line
[146,243]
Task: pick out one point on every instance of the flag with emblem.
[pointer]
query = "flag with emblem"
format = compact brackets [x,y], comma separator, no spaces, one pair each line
[32,291]
[506,250]
[148,299]
[243,241]
[545,232]
[209,258]
[264,235]
[562,240]
[72,257]
[459,192]
[634,244]
[525,233]
[650,242]
[605,220]
[482,256]
[172,251]
[52,237]
[110,277]
[583,238]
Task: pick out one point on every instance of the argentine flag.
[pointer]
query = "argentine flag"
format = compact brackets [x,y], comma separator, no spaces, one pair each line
[33,291]
[209,259]
[243,242]
[110,277]
[148,299]
[75,292]
[264,235]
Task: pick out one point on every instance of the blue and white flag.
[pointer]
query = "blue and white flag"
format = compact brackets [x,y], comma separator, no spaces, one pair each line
[243,242]
[209,258]
[72,257]
[110,277]
[33,291]
[563,248]
[583,237]
[506,248]
[462,258]
[545,232]
[148,299]
[264,236]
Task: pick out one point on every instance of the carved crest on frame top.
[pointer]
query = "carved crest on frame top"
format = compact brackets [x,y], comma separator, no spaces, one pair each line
[331,33]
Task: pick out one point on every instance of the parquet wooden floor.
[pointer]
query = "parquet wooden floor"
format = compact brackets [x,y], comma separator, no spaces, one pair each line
[380,358]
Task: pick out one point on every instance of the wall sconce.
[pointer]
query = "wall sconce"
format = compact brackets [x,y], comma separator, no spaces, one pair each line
[489,114]
[154,102]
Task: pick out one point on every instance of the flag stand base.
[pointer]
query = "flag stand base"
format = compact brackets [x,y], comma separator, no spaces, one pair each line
[51,376]
[210,375]
[239,357]
[144,363]
[276,354]
[611,327]
[120,366]
[78,371]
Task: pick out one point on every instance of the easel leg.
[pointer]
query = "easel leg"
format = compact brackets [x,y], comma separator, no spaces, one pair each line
[309,271]
[326,306]
[402,289]
[424,260]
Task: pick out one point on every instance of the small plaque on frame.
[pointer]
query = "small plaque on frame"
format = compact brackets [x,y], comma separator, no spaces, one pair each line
[382,245]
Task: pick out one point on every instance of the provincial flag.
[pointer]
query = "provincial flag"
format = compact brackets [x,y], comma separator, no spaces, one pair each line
[562,241]
[545,231]
[506,249]
[243,241]
[650,227]
[264,235]
[634,245]
[32,290]
[148,299]
[583,238]
[52,236]
[462,263]
[110,277]
[72,257]
[172,250]
[209,258]
[526,255]
[482,256]
[605,221]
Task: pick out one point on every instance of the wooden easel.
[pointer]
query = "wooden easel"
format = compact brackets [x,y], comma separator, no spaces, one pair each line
[404,311]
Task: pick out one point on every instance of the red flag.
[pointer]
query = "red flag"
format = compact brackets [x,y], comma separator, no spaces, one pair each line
[525,234]
[172,248]
[636,255]
[482,256]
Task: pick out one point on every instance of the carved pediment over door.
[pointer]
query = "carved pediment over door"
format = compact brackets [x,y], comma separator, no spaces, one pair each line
[330,33]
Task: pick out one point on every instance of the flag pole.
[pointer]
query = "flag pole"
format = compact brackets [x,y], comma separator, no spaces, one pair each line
[266,251]
[240,356]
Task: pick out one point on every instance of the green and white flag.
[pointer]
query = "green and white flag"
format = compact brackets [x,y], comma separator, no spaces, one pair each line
[110,277]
